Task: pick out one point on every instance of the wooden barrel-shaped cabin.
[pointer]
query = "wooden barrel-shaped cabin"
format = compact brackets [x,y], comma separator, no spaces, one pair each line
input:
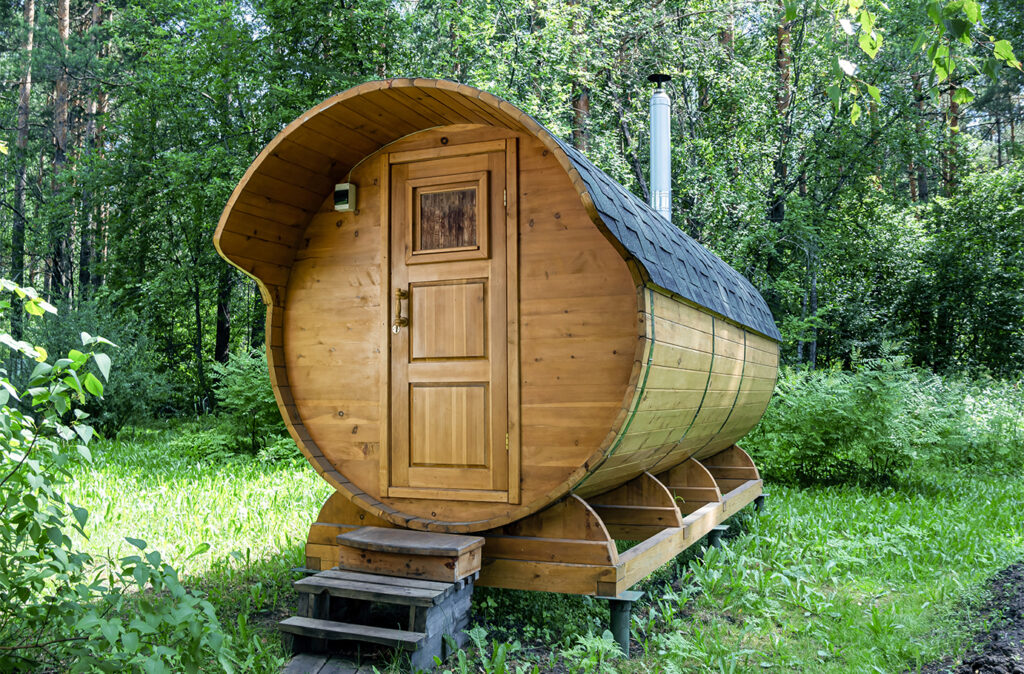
[489,323]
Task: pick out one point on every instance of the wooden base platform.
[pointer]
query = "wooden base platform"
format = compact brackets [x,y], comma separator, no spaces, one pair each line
[570,547]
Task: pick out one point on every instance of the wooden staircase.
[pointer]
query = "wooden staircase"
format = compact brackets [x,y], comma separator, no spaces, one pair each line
[397,588]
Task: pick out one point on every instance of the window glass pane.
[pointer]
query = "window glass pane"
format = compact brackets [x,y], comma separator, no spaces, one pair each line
[447,219]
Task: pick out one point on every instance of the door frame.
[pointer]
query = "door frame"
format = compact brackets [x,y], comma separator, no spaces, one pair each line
[511,198]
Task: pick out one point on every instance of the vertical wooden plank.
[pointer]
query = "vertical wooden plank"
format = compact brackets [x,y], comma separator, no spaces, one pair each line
[399,351]
[499,275]
[384,196]
[512,327]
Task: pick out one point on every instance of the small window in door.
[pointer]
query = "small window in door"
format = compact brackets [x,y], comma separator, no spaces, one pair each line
[447,219]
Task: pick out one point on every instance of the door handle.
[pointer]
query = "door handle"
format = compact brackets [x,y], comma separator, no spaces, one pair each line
[401,319]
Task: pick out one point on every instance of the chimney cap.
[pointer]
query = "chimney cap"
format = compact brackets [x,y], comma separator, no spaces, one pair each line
[659,78]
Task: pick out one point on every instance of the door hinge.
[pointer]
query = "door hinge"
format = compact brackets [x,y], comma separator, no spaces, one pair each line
[506,442]
[505,197]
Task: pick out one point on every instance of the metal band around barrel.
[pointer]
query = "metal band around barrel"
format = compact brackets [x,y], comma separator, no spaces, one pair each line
[739,388]
[696,413]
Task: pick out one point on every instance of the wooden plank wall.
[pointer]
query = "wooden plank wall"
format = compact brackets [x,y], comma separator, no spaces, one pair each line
[706,384]
[578,333]
[614,375]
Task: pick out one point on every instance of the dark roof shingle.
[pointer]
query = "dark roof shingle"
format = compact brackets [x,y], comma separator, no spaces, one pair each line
[671,258]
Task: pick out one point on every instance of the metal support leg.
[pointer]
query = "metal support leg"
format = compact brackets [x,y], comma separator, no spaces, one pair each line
[622,610]
[759,502]
[715,535]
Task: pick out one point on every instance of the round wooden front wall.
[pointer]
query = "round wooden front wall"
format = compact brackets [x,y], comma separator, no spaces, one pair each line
[523,318]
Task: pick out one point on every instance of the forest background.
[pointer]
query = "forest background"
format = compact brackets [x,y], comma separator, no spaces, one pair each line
[875,202]
[858,161]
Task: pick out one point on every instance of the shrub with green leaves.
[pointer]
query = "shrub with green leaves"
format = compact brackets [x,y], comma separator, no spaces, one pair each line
[61,608]
[142,390]
[244,393]
[881,422]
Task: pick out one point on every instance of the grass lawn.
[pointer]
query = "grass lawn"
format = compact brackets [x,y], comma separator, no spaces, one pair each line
[824,580]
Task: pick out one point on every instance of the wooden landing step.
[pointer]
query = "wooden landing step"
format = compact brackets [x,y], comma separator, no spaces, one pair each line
[329,629]
[410,554]
[373,587]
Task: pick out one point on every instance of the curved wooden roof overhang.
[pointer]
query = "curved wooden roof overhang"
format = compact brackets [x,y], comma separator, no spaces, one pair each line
[267,213]
[265,218]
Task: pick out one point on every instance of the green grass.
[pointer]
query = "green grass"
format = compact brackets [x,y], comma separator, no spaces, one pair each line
[839,579]
[255,517]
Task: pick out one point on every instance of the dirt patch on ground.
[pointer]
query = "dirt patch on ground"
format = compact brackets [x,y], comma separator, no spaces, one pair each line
[1000,649]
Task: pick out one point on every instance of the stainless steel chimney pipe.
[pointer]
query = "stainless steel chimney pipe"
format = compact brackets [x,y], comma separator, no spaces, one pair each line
[661,148]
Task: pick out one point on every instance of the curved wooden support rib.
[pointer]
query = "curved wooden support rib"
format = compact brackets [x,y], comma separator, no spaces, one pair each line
[564,548]
[337,516]
[638,509]
[691,485]
[731,468]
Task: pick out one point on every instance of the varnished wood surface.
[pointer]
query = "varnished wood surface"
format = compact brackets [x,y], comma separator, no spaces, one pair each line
[404,541]
[449,406]
[569,547]
[611,379]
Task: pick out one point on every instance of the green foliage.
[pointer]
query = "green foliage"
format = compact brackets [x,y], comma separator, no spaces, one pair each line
[542,617]
[841,579]
[967,311]
[59,606]
[493,660]
[807,584]
[593,654]
[883,423]
[249,410]
[143,388]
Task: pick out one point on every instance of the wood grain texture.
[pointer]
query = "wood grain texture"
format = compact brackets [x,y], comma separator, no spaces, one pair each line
[611,378]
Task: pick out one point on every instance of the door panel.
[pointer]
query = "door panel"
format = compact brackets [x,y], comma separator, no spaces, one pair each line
[455,319]
[449,359]
[448,425]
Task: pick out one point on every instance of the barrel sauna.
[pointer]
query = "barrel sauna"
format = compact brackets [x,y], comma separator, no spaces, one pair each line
[494,331]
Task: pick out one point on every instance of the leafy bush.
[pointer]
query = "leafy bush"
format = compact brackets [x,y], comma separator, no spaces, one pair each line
[877,423]
[245,396]
[60,608]
[141,391]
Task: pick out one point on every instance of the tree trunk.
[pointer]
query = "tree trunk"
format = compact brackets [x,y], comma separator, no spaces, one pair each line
[99,212]
[258,312]
[951,161]
[60,254]
[783,96]
[629,148]
[803,317]
[581,119]
[912,181]
[999,143]
[21,171]
[727,31]
[90,211]
[812,311]
[197,305]
[223,340]
[922,168]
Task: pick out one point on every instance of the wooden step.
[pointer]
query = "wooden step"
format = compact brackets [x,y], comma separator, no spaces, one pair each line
[386,580]
[363,586]
[408,542]
[328,629]
[424,555]
[307,663]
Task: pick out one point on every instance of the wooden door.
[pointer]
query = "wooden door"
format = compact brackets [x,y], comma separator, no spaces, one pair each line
[450,335]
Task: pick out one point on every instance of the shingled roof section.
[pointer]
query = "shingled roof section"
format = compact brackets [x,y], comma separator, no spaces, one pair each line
[672,259]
